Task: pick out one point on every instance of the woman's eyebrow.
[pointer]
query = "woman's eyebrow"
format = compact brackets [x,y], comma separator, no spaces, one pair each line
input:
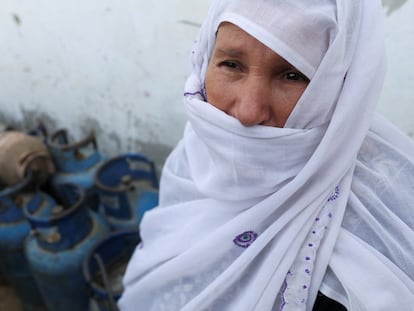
[234,52]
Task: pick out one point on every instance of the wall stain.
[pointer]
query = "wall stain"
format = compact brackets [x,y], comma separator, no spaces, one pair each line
[17,19]
[110,144]
[155,152]
[9,121]
[115,139]
[114,144]
[189,23]
[31,118]
[91,125]
[393,5]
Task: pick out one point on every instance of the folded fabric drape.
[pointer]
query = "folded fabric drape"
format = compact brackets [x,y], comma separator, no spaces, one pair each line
[261,218]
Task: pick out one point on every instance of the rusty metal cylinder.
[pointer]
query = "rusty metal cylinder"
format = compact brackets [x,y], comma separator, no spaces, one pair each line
[20,153]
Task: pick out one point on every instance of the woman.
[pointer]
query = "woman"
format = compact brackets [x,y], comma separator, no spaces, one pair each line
[286,185]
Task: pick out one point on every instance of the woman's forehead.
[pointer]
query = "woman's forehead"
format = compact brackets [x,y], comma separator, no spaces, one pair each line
[295,30]
[232,41]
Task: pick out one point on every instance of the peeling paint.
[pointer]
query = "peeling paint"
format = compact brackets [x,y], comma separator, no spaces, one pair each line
[393,5]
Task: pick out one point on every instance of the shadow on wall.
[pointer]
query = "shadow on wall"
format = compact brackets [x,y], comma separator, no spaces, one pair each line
[393,5]
[108,143]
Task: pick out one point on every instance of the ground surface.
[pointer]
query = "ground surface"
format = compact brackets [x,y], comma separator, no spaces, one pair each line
[8,298]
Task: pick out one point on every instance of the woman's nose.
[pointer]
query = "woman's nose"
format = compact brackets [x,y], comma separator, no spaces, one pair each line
[253,105]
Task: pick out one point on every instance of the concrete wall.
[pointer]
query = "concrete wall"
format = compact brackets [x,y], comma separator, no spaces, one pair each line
[397,102]
[118,68]
[115,67]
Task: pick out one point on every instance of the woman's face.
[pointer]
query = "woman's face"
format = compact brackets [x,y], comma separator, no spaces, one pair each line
[249,81]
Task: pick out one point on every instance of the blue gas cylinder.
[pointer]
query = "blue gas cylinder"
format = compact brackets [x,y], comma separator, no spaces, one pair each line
[14,228]
[76,163]
[128,187]
[59,242]
[105,265]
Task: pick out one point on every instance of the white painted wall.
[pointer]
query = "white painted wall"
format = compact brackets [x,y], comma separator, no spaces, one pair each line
[397,102]
[118,68]
[115,67]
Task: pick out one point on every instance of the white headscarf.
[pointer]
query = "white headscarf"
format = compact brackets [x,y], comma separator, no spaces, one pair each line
[261,218]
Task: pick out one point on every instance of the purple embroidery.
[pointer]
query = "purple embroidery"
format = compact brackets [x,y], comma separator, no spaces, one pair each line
[282,296]
[307,258]
[307,271]
[245,239]
[334,195]
[193,93]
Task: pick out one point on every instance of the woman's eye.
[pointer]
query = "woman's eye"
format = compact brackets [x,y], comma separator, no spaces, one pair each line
[296,76]
[230,64]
